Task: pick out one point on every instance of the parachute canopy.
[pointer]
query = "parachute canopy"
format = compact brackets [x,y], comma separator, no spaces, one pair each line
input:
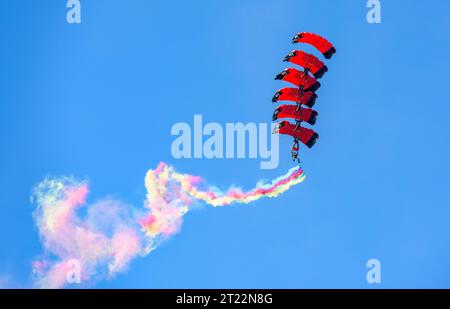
[299,79]
[307,61]
[299,114]
[325,47]
[305,135]
[293,94]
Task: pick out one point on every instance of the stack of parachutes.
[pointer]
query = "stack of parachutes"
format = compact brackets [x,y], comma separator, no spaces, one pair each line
[304,93]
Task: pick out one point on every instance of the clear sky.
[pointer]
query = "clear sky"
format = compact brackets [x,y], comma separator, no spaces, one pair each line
[98,100]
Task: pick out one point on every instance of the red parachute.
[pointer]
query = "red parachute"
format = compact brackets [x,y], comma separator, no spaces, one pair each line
[304,93]
[299,79]
[299,114]
[305,135]
[326,48]
[295,95]
[307,61]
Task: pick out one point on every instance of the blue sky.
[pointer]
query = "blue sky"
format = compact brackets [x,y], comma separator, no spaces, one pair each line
[98,100]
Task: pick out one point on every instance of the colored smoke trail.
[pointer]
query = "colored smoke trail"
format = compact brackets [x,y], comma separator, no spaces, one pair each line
[170,195]
[105,236]
[103,240]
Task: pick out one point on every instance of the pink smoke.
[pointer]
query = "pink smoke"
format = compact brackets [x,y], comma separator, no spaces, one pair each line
[104,237]
[102,247]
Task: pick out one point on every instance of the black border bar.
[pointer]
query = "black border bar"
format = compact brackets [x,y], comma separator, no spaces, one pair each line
[219,298]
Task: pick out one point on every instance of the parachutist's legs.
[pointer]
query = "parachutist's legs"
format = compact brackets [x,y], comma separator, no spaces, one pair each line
[294,152]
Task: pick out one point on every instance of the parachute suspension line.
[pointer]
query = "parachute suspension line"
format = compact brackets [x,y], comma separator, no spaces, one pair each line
[301,88]
[300,94]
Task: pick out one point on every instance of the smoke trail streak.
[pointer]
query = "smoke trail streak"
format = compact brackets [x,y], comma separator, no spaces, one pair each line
[170,194]
[109,234]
